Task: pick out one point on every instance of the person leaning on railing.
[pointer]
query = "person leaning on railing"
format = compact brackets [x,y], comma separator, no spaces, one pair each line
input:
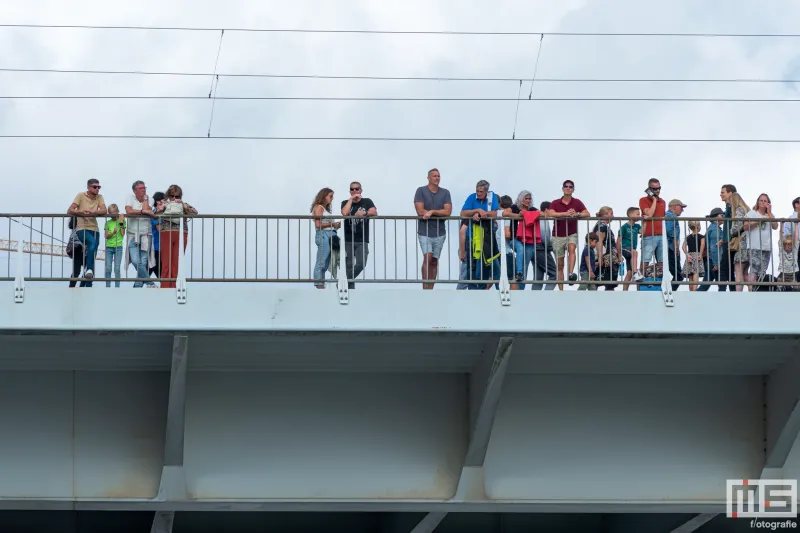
[738,240]
[325,234]
[174,209]
[607,253]
[759,238]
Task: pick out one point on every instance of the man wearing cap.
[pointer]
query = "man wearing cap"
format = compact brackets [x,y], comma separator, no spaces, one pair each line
[713,245]
[673,229]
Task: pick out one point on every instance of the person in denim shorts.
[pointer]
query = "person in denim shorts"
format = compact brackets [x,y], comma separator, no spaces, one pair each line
[432,203]
[652,206]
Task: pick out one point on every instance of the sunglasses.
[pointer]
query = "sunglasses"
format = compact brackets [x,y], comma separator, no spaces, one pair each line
[95,187]
[569,186]
[355,188]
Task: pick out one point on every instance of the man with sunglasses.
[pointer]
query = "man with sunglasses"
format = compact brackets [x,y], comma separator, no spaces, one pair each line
[90,202]
[356,232]
[565,232]
[652,206]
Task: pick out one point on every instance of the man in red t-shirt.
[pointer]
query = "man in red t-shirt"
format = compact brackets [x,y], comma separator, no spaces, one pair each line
[652,206]
[565,232]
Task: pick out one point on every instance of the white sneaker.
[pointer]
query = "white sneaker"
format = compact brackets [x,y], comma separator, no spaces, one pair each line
[637,277]
[151,286]
[89,274]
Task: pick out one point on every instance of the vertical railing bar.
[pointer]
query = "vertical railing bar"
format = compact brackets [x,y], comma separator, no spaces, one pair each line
[288,247]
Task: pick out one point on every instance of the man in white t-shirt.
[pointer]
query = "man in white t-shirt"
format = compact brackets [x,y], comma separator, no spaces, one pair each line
[140,235]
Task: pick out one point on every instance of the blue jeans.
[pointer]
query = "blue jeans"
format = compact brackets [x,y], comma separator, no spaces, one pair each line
[139,257]
[525,254]
[114,256]
[463,275]
[652,245]
[484,272]
[90,241]
[323,241]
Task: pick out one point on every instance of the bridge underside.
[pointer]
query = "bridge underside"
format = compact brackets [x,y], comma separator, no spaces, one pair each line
[374,425]
[293,522]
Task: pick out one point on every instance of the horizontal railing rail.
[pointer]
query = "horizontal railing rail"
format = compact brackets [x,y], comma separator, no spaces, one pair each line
[696,253]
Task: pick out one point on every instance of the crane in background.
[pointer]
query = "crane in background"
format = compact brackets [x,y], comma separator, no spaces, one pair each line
[37,248]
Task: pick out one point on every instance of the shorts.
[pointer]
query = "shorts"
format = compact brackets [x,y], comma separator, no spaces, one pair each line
[628,260]
[561,244]
[432,245]
[652,245]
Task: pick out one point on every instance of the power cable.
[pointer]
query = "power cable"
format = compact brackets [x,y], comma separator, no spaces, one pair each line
[395,78]
[401,32]
[399,99]
[214,84]
[410,139]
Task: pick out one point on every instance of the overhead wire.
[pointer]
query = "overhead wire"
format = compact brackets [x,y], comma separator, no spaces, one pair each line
[401,32]
[399,98]
[394,78]
[404,139]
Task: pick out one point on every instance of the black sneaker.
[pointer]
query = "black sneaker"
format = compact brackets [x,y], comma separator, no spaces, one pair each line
[518,277]
[572,279]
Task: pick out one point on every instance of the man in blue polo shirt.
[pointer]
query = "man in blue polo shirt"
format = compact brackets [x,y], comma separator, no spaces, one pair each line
[480,207]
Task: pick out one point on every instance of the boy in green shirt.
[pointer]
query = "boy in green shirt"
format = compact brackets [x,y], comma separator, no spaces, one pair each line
[628,240]
[115,235]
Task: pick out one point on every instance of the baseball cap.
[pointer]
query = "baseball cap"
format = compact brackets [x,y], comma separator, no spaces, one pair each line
[676,202]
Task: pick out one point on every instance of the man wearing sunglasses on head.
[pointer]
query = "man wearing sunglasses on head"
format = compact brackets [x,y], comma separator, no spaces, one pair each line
[90,202]
[652,206]
[356,231]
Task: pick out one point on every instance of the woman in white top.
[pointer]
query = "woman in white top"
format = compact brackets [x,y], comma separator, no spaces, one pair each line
[759,238]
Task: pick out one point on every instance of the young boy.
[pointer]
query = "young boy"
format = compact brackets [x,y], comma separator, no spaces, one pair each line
[627,241]
[115,236]
[588,268]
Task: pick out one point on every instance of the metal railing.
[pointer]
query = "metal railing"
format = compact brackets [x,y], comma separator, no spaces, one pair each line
[288,249]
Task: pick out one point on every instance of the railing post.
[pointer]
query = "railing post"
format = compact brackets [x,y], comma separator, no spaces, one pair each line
[19,280]
[666,274]
[180,281]
[505,288]
[341,279]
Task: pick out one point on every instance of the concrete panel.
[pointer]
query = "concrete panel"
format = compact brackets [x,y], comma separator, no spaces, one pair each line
[270,307]
[617,438]
[292,435]
[36,440]
[120,419]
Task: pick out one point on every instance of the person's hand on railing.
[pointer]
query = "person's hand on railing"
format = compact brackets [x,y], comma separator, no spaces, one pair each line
[337,225]
[427,215]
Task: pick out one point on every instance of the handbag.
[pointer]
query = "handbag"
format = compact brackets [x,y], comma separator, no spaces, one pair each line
[336,244]
[733,244]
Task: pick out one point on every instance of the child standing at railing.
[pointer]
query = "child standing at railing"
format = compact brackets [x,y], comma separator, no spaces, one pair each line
[589,270]
[789,267]
[693,247]
[115,234]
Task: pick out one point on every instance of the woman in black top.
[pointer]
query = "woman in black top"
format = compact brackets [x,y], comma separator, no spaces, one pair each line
[694,247]
[607,253]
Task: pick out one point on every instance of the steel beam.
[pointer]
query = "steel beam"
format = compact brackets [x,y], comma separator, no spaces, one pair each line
[429,523]
[695,523]
[783,418]
[162,522]
[173,477]
[485,388]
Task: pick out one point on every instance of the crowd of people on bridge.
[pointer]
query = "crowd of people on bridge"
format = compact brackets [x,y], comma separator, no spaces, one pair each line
[734,252]
[150,242]
[733,249]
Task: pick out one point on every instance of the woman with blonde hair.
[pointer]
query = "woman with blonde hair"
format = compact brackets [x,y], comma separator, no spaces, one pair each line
[738,242]
[608,257]
[759,238]
[325,234]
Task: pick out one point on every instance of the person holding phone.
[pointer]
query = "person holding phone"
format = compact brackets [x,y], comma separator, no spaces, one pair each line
[356,231]
[652,207]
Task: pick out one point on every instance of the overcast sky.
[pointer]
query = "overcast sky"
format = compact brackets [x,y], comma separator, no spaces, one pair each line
[281,177]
